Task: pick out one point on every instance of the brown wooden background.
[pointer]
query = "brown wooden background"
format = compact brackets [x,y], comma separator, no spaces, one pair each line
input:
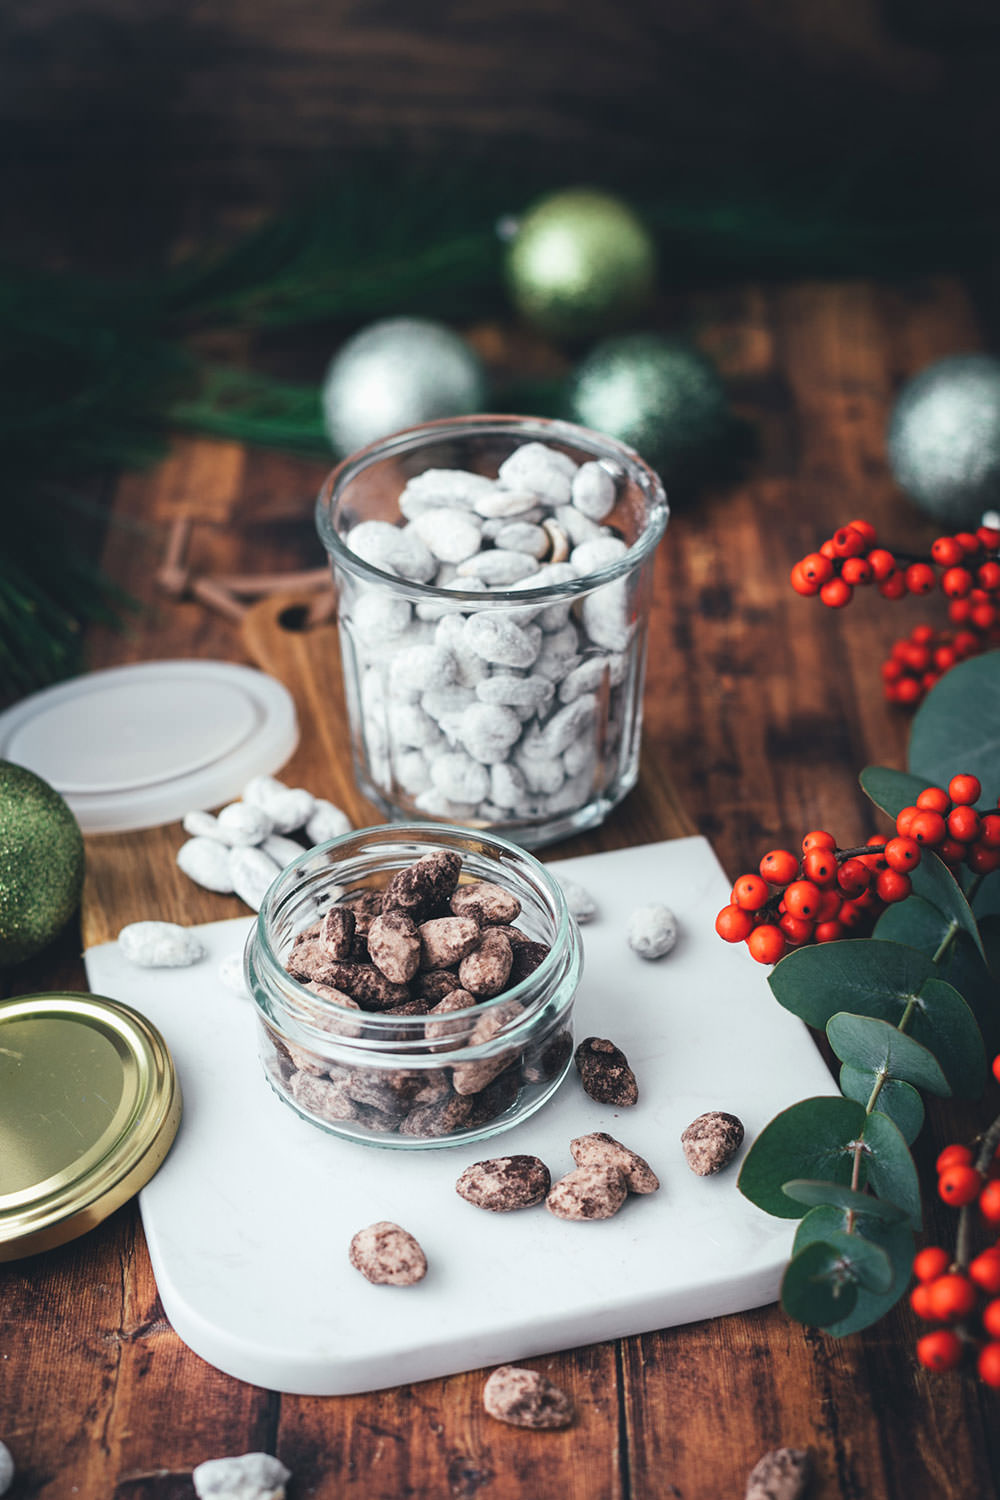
[128,124]
[172,109]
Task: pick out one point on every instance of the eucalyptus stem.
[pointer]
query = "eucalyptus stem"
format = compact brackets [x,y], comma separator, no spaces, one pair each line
[901,1025]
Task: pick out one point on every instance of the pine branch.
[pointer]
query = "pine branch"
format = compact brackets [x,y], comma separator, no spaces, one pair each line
[382,240]
[252,408]
[47,596]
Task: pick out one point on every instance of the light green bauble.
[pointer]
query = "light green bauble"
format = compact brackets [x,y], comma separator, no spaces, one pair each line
[397,373]
[660,397]
[944,438]
[41,863]
[580,263]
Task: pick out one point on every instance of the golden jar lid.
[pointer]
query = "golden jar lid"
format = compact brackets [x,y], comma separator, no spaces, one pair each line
[89,1105]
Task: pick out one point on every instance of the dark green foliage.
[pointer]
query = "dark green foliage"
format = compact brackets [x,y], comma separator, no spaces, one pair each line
[905,1010]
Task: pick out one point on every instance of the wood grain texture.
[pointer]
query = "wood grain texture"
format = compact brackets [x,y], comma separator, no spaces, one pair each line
[761,707]
[178,107]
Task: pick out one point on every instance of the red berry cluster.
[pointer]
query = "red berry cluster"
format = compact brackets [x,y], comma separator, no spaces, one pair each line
[966,566]
[954,1290]
[832,893]
[917,660]
[850,559]
[947,822]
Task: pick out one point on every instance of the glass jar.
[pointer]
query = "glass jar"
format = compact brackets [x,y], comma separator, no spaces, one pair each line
[413,1077]
[534,734]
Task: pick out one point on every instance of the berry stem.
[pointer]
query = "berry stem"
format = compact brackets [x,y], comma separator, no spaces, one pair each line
[987,1147]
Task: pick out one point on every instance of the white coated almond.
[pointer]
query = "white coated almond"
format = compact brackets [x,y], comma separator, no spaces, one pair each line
[160,945]
[206,862]
[251,871]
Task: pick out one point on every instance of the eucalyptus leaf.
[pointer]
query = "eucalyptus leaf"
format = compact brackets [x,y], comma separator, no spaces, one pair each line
[986,900]
[990,931]
[900,1101]
[875,1045]
[893,983]
[978,981]
[957,727]
[891,1170]
[809,1139]
[817,1287]
[914,922]
[944,1023]
[809,1190]
[867,977]
[895,1239]
[934,882]
[920,925]
[891,790]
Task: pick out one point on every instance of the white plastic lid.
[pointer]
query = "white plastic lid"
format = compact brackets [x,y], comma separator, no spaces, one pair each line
[136,746]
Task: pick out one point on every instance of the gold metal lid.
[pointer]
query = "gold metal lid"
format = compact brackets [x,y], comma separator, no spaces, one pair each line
[89,1105]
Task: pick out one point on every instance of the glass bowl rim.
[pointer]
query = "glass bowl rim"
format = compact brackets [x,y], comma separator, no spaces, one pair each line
[566,934]
[535,429]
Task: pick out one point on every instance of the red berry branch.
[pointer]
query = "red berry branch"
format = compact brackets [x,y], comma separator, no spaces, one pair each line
[961,1291]
[832,893]
[965,566]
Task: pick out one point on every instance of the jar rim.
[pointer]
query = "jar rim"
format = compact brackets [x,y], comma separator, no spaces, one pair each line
[429,834]
[538,429]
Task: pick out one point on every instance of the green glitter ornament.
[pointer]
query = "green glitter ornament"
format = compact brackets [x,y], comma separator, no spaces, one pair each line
[41,863]
[944,438]
[580,263]
[662,397]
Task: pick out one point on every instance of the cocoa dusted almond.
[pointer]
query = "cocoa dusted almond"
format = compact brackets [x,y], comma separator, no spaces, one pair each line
[337,930]
[424,885]
[782,1474]
[484,972]
[605,1073]
[394,946]
[445,941]
[485,902]
[363,982]
[470,1077]
[524,1398]
[590,1192]
[711,1141]
[601,1150]
[365,906]
[527,957]
[387,1255]
[505,1183]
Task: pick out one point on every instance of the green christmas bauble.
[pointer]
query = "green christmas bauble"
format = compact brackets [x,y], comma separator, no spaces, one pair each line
[41,863]
[944,438]
[397,373]
[661,397]
[580,263]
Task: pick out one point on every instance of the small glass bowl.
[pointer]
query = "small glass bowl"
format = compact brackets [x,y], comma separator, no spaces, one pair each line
[576,754]
[413,1081]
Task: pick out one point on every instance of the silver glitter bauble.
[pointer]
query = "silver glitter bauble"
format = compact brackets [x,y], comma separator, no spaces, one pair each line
[944,438]
[661,397]
[395,373]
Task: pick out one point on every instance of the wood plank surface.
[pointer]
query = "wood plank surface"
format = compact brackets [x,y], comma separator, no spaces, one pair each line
[761,708]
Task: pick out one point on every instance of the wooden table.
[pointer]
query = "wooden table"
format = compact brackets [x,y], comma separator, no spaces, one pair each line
[761,708]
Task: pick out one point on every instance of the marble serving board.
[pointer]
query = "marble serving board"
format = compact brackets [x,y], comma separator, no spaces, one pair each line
[249,1218]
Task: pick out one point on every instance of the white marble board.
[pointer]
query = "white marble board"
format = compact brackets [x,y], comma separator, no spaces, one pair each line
[249,1218]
